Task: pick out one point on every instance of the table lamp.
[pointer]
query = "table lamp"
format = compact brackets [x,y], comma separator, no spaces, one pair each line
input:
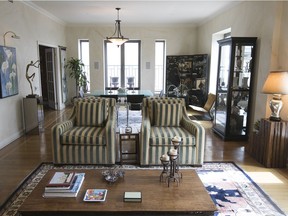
[276,84]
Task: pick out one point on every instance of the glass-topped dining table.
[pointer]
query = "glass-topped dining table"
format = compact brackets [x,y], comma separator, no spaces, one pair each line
[98,93]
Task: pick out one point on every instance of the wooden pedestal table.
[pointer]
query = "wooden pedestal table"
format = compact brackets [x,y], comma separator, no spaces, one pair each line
[270,145]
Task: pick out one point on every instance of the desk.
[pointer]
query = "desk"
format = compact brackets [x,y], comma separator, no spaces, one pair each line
[98,93]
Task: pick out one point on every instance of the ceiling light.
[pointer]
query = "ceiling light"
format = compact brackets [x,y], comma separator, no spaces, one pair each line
[12,36]
[117,38]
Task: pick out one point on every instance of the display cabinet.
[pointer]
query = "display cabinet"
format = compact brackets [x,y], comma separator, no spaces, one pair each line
[234,87]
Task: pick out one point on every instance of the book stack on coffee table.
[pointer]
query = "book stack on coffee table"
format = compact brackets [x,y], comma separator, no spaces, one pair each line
[64,184]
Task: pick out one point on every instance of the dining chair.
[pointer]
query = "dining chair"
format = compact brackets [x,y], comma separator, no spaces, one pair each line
[134,102]
[115,81]
[130,81]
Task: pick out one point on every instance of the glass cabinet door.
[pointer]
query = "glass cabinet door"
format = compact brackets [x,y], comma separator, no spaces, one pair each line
[240,89]
[222,87]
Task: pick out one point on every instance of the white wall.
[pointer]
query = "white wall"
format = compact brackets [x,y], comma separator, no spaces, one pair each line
[252,19]
[265,20]
[179,41]
[283,53]
[32,27]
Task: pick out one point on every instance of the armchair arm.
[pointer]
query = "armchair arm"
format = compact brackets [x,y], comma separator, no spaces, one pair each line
[57,130]
[144,137]
[110,134]
[199,132]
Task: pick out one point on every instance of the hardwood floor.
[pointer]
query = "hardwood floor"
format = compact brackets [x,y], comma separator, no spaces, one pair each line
[21,157]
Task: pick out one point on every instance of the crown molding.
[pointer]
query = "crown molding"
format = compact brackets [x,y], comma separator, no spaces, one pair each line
[43,12]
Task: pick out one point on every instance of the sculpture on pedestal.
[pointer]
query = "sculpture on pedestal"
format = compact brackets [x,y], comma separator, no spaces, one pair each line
[31,77]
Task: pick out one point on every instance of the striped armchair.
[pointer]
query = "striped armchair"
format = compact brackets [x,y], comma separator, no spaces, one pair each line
[162,119]
[89,136]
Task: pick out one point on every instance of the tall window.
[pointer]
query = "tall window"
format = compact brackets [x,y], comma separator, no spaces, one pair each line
[159,65]
[84,56]
[122,65]
[214,57]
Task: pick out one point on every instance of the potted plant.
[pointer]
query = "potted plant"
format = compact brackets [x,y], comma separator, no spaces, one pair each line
[75,68]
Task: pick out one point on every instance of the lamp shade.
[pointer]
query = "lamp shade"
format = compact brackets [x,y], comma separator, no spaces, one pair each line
[276,83]
[118,41]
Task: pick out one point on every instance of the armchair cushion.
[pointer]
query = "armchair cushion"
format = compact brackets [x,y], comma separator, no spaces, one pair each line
[167,114]
[91,114]
[161,136]
[84,136]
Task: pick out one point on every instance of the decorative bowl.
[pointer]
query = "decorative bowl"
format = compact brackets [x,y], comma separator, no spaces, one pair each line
[112,175]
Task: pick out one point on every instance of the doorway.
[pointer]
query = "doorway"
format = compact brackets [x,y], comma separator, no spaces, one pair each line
[48,79]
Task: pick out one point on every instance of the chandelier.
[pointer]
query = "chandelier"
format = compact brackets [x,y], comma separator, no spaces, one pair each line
[117,38]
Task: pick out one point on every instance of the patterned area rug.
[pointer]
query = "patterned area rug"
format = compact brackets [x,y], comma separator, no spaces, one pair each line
[134,118]
[232,191]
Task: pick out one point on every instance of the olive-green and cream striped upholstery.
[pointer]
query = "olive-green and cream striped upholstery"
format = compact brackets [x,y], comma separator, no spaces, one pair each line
[162,119]
[89,136]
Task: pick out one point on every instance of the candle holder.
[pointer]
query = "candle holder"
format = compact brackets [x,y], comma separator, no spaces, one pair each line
[165,170]
[174,174]
[176,144]
[171,171]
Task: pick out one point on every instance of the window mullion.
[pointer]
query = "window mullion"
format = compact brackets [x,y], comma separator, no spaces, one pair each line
[123,65]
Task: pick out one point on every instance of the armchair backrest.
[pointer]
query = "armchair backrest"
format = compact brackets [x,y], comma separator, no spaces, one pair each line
[91,111]
[164,111]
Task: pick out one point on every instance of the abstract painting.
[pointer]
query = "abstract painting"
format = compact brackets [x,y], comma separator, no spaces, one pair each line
[8,70]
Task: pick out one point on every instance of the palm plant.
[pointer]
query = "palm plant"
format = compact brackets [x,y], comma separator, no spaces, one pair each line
[75,68]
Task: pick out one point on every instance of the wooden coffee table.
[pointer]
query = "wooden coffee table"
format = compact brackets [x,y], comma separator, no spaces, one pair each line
[190,197]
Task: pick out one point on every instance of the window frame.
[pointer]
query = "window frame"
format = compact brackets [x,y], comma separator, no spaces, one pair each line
[86,67]
[122,66]
[164,66]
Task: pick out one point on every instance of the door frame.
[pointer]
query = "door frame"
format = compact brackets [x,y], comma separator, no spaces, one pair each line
[57,74]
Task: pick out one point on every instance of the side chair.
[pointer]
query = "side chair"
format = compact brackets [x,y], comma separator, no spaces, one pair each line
[134,102]
[207,109]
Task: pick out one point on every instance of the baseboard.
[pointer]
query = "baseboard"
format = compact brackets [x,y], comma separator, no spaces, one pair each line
[11,138]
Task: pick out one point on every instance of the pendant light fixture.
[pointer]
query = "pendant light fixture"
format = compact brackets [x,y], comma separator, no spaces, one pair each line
[117,38]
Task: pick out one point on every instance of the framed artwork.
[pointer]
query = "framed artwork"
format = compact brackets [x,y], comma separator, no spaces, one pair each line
[8,71]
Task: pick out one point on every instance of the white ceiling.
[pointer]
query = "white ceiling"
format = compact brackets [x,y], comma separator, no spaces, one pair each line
[133,12]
